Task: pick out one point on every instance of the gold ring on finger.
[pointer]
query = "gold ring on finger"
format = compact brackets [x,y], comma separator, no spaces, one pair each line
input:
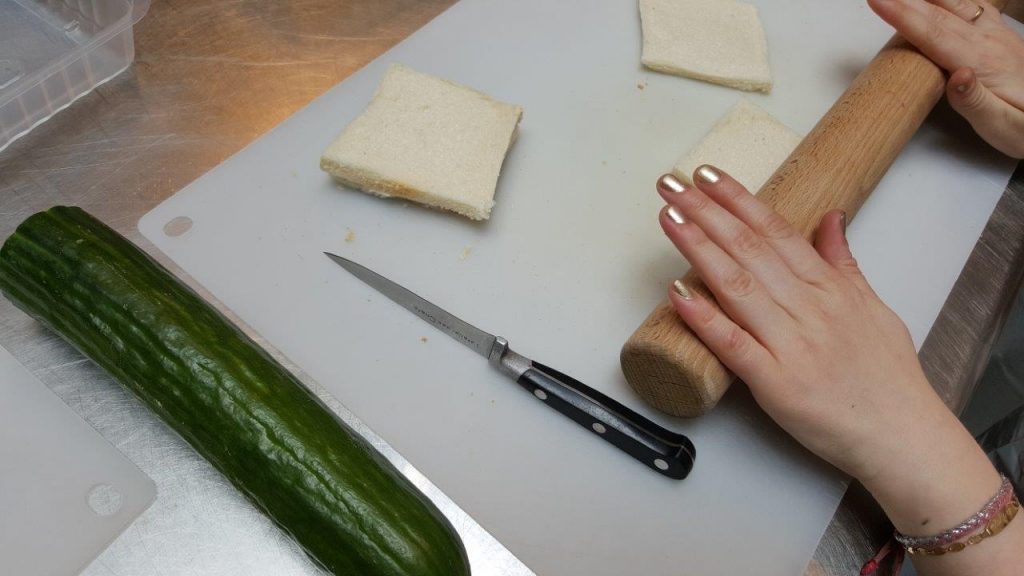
[981,10]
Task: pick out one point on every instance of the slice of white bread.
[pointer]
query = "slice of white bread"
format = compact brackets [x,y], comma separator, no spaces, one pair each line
[748,143]
[427,140]
[718,41]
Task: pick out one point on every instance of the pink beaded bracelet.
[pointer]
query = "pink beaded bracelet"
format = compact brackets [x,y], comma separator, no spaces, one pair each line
[995,505]
[999,511]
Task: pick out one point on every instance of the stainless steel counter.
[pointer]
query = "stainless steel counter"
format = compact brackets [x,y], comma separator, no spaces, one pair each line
[209,78]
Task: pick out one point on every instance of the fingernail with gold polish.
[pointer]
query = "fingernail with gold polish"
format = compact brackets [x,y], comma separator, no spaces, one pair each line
[708,174]
[682,290]
[671,184]
[675,215]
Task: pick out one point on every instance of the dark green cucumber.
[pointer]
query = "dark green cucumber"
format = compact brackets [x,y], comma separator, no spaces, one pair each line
[240,409]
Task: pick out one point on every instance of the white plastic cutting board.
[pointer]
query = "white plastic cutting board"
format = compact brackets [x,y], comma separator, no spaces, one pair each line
[65,492]
[570,263]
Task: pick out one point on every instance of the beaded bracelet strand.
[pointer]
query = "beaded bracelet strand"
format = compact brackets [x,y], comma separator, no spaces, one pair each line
[990,520]
[995,505]
[994,526]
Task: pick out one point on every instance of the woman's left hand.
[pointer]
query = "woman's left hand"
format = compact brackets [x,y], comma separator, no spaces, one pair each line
[821,353]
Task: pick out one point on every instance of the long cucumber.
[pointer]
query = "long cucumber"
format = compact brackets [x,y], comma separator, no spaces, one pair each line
[228,398]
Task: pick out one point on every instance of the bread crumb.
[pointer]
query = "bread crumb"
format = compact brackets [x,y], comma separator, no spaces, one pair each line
[641,85]
[350,236]
[423,339]
[466,252]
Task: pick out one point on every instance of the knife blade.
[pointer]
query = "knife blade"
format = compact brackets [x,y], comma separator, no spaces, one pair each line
[668,453]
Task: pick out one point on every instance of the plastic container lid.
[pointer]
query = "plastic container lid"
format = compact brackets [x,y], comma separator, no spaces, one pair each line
[53,52]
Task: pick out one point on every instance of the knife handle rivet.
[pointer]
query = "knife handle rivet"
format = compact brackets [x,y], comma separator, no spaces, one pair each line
[540,394]
[599,428]
[661,464]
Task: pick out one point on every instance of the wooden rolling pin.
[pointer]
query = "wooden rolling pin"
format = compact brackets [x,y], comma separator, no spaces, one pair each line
[836,166]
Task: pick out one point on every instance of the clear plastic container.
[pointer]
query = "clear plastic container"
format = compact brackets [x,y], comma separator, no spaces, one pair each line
[53,52]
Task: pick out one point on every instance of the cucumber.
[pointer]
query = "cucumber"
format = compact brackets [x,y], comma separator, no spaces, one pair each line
[351,511]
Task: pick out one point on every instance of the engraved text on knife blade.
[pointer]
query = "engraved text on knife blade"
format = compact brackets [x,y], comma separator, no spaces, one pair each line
[455,327]
[453,331]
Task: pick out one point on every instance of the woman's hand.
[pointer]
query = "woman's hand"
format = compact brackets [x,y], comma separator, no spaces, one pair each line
[985,59]
[821,353]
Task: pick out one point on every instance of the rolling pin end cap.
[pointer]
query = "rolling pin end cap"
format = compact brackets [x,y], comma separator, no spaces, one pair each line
[662,385]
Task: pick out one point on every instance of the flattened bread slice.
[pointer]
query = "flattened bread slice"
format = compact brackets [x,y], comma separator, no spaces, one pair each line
[427,140]
[748,143]
[718,41]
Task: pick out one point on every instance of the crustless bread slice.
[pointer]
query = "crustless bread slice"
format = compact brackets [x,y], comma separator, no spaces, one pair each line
[748,143]
[427,140]
[718,41]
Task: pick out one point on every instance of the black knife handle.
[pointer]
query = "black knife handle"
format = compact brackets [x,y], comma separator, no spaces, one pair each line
[665,452]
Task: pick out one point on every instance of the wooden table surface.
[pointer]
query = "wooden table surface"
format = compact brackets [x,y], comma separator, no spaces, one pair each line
[210,77]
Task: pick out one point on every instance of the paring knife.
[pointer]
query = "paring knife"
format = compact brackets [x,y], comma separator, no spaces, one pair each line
[664,451]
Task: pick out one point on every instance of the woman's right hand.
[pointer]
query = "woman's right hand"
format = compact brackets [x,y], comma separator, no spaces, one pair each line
[985,59]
